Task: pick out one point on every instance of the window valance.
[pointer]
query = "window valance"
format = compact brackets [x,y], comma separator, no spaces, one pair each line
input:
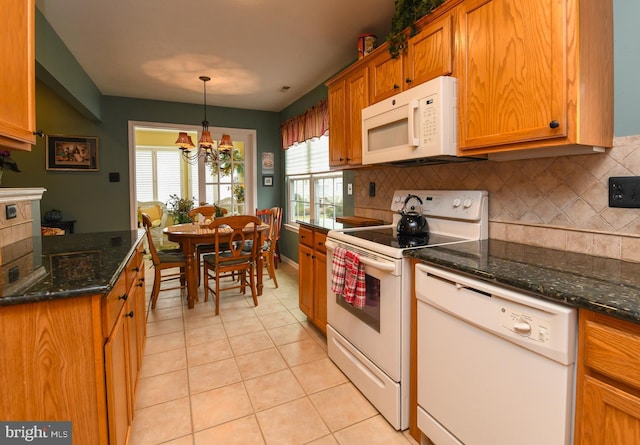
[311,124]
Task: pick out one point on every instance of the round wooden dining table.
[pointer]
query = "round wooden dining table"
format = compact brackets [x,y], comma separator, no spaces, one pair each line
[189,235]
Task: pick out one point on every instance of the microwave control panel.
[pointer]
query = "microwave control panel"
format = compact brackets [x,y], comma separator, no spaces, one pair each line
[429,111]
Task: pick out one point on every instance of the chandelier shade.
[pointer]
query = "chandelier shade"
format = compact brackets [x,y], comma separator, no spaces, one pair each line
[226,144]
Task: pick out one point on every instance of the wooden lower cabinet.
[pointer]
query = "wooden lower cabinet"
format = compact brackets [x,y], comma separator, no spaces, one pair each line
[75,359]
[117,383]
[312,270]
[608,381]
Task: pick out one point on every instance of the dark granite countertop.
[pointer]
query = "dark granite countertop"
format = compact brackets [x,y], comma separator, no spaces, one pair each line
[323,225]
[599,284]
[72,265]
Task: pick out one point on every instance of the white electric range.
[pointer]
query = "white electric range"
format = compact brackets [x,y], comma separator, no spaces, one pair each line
[371,345]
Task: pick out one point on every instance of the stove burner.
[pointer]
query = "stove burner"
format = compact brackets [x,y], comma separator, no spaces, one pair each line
[416,240]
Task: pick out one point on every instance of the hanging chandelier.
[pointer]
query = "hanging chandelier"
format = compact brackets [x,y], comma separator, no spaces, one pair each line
[205,149]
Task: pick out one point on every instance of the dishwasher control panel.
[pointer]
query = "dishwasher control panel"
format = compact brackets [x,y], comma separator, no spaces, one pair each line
[525,324]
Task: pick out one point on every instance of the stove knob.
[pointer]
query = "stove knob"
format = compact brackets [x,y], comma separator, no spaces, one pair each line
[456,203]
[467,203]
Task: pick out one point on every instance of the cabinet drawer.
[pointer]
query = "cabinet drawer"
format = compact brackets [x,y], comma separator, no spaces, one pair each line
[305,236]
[318,242]
[613,349]
[134,266]
[112,305]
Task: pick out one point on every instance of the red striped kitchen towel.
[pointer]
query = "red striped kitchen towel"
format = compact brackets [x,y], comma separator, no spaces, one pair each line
[355,290]
[338,271]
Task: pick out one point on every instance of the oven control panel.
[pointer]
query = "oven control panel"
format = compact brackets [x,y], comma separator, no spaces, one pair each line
[458,204]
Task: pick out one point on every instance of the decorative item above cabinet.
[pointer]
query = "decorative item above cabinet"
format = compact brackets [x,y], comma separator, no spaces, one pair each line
[534,74]
[17,77]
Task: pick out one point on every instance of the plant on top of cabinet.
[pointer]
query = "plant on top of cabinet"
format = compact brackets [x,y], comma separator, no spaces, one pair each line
[406,14]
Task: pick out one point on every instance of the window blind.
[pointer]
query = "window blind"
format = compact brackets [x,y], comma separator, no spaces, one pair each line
[311,156]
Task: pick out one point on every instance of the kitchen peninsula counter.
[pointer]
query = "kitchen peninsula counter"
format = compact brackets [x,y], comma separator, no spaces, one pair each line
[73,329]
[72,265]
[599,284]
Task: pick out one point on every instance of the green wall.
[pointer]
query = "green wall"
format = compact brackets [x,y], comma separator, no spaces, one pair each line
[626,62]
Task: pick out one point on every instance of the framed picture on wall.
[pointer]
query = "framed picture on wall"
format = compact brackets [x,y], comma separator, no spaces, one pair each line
[72,153]
[268,164]
[267,181]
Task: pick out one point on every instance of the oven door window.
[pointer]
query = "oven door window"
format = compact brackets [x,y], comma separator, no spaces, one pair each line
[370,314]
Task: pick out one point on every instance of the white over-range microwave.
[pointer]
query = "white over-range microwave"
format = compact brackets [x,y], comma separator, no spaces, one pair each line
[416,125]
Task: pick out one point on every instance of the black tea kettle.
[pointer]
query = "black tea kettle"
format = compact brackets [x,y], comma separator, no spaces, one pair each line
[412,221]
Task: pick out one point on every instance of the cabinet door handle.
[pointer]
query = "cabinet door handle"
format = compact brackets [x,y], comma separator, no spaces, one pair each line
[130,314]
[554,124]
[407,80]
[396,86]
[136,269]
[341,159]
[348,159]
[307,254]
[140,284]
[302,237]
[123,297]
[313,257]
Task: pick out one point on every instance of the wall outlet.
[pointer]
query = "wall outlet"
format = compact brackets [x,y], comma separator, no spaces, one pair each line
[372,189]
[349,188]
[624,191]
[12,211]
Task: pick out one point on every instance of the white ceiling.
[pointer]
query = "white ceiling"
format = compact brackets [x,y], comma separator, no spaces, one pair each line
[157,49]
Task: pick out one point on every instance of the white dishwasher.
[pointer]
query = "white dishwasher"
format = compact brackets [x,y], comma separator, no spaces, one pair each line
[495,367]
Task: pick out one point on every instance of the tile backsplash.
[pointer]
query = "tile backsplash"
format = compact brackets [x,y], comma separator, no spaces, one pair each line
[559,202]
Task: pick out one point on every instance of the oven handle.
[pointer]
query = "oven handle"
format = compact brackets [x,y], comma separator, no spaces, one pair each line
[384,266]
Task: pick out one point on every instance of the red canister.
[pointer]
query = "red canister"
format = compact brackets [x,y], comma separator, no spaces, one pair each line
[366,44]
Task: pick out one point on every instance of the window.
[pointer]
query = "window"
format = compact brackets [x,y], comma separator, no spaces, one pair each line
[225,181]
[153,163]
[313,192]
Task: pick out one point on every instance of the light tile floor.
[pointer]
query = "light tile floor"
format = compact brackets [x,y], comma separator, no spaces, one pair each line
[253,375]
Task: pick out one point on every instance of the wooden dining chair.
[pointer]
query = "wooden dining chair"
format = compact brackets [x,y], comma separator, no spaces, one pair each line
[277,258]
[270,216]
[163,260]
[208,213]
[232,257]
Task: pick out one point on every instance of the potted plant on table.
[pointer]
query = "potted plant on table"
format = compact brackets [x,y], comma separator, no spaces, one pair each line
[179,209]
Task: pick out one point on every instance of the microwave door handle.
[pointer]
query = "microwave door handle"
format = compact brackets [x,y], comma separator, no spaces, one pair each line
[413,107]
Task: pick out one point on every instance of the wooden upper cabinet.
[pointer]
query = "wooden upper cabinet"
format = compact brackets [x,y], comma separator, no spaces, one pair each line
[337,103]
[385,75]
[530,74]
[348,94]
[17,76]
[357,99]
[430,52]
